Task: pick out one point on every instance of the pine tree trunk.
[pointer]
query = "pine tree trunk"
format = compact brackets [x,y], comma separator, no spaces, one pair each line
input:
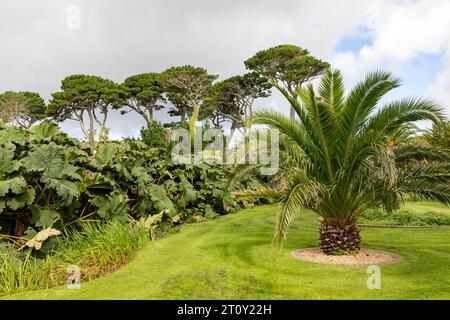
[339,236]
[182,117]
[91,133]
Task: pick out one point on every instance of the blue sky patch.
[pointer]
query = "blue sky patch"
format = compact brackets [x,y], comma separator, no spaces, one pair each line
[355,42]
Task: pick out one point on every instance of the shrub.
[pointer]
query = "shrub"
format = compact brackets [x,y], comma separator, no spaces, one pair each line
[403,218]
[373,215]
[155,135]
[434,218]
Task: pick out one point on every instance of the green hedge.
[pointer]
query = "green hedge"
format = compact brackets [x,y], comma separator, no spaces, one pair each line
[404,218]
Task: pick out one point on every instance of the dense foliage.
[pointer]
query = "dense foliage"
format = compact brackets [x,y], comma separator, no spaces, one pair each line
[143,95]
[49,179]
[287,67]
[231,100]
[186,87]
[403,218]
[88,96]
[439,136]
[21,108]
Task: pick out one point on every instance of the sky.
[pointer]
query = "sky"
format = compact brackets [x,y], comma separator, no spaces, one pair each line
[44,41]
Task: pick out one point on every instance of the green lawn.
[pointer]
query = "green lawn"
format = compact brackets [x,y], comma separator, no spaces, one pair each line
[424,206]
[231,258]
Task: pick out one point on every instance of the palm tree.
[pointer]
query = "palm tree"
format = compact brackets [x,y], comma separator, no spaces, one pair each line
[404,134]
[439,135]
[340,161]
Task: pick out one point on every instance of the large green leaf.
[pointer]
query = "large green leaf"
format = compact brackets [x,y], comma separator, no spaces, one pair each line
[44,217]
[44,157]
[104,155]
[190,195]
[16,185]
[50,160]
[62,170]
[66,190]
[141,176]
[112,207]
[7,164]
[12,134]
[20,200]
[160,200]
[44,132]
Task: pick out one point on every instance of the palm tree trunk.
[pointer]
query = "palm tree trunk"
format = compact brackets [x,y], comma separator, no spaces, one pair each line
[337,236]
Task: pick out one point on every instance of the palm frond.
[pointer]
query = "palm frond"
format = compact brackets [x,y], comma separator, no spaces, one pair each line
[326,125]
[429,180]
[359,104]
[332,89]
[395,114]
[300,193]
[408,152]
[289,128]
[292,159]
[240,173]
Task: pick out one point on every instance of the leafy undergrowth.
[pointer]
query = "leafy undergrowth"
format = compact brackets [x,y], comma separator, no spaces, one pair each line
[419,214]
[97,250]
[231,258]
[48,179]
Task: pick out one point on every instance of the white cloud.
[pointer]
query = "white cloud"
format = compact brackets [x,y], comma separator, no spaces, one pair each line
[440,89]
[400,32]
[406,29]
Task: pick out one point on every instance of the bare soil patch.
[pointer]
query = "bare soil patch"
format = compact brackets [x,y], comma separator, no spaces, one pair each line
[363,257]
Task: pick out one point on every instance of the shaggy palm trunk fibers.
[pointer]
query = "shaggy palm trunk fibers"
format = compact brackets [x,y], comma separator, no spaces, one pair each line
[337,237]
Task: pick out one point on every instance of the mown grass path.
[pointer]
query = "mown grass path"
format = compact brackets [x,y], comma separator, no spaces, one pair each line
[231,258]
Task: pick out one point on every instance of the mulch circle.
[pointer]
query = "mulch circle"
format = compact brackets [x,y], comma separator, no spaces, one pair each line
[363,257]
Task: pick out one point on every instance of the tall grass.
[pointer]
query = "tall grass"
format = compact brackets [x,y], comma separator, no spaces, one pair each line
[17,275]
[97,249]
